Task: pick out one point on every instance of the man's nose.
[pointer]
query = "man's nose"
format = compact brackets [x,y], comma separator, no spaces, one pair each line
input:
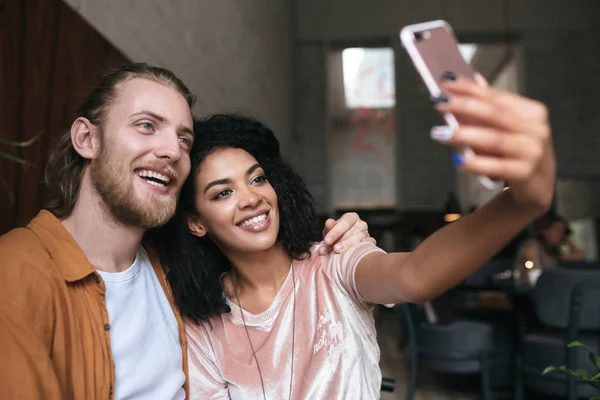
[168,147]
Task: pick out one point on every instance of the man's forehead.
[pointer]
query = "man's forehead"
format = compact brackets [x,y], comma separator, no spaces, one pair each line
[137,95]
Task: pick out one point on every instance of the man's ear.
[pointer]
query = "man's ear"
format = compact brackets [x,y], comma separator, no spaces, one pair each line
[195,226]
[85,137]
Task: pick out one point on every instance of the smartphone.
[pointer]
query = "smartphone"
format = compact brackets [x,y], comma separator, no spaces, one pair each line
[433,48]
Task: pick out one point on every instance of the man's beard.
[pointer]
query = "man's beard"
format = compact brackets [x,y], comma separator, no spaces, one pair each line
[113,181]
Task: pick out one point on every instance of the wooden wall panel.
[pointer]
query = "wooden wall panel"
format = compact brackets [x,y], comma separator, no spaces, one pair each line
[37,59]
[10,98]
[51,58]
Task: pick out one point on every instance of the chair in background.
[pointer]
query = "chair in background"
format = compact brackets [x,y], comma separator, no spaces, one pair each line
[567,303]
[580,265]
[461,346]
[440,310]
[483,278]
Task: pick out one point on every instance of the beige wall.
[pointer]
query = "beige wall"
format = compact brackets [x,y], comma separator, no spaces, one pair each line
[352,19]
[363,164]
[234,54]
[238,54]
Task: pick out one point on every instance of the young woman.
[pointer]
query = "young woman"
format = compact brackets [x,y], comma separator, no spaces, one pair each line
[268,318]
[551,243]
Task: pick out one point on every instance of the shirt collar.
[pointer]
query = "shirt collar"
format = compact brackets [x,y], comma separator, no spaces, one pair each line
[69,257]
[61,246]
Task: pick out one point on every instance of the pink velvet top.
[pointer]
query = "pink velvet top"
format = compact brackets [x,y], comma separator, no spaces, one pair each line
[336,354]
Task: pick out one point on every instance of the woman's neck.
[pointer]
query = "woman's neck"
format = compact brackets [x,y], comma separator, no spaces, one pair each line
[264,270]
[256,278]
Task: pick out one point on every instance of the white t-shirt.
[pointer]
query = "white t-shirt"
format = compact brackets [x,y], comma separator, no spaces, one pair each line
[143,334]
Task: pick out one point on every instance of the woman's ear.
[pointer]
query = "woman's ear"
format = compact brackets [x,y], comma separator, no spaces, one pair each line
[195,226]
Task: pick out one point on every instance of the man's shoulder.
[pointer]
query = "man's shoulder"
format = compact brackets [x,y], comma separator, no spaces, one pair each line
[21,246]
[27,275]
[28,280]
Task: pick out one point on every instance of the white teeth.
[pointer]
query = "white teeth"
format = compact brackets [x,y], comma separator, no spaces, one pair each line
[255,220]
[144,173]
[156,184]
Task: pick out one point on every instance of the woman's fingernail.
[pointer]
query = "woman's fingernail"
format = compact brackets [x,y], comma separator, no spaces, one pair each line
[441,133]
[438,99]
[449,76]
[338,247]
[458,159]
[328,240]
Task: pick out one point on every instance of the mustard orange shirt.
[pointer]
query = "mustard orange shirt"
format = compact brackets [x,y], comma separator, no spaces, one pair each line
[54,330]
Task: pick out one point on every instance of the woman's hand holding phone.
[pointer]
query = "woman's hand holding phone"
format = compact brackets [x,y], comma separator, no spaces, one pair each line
[509,136]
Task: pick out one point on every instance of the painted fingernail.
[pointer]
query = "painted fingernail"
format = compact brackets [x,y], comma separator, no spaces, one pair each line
[458,159]
[438,99]
[328,240]
[338,247]
[449,76]
[441,133]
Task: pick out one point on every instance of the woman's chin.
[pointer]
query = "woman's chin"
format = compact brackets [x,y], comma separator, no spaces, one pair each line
[257,246]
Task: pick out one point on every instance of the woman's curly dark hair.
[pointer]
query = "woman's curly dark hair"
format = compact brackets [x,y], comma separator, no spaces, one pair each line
[196,264]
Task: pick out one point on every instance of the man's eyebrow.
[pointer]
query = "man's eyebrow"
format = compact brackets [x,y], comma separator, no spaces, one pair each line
[187,129]
[151,114]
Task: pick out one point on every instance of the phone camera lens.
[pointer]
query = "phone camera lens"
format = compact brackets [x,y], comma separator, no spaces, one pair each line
[418,36]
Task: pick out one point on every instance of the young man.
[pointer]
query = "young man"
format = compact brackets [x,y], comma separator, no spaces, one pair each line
[85,309]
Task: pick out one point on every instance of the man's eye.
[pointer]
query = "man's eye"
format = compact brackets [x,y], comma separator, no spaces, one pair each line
[146,125]
[186,141]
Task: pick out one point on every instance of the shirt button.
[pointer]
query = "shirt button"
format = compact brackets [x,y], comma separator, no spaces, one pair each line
[110,392]
[97,278]
[106,327]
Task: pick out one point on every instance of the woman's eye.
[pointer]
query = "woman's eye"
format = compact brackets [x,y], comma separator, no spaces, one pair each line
[221,194]
[259,179]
